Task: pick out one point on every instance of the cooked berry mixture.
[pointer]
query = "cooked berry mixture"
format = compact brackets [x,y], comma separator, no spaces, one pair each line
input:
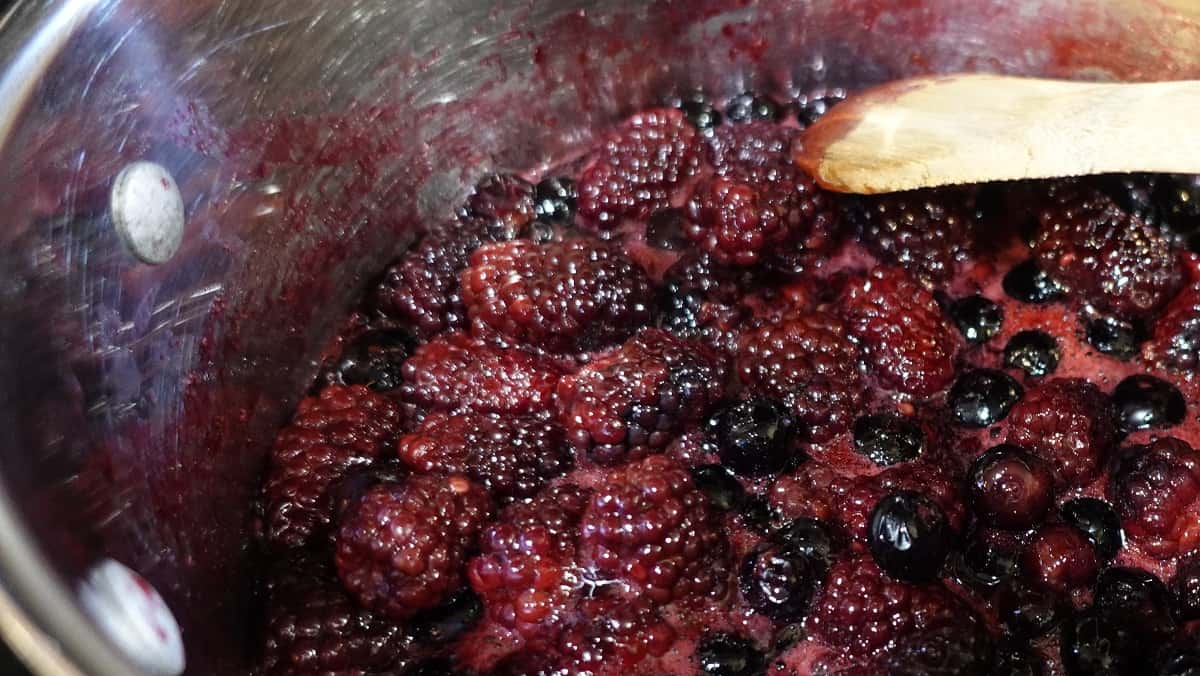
[672,408]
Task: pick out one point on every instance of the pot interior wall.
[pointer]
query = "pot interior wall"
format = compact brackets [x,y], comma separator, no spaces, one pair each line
[313,141]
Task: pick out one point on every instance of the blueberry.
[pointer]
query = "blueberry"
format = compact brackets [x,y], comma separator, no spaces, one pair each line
[554,199]
[748,107]
[754,437]
[1014,660]
[977,318]
[982,397]
[909,536]
[779,581]
[888,438]
[812,106]
[1029,284]
[1034,352]
[810,537]
[1028,611]
[758,513]
[1137,598]
[1010,488]
[720,486]
[1092,645]
[447,621]
[985,562]
[374,360]
[1144,402]
[1178,660]
[1186,589]
[1115,337]
[729,655]
[665,230]
[701,114]
[1099,521]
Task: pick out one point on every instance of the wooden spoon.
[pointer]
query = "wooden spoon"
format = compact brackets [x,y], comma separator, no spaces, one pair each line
[933,131]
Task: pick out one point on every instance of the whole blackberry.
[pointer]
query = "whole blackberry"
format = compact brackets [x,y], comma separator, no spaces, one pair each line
[1155,488]
[403,548]
[579,294]
[636,399]
[1069,423]
[1060,558]
[340,429]
[421,289]
[926,232]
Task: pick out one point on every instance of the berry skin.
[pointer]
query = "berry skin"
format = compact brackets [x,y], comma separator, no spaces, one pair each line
[811,106]
[1028,283]
[639,165]
[1060,558]
[758,198]
[510,456]
[312,626]
[421,289]
[926,232]
[1186,588]
[983,397]
[1092,644]
[1175,340]
[807,361]
[888,439]
[754,437]
[1156,491]
[1115,337]
[1013,660]
[1099,521]
[908,536]
[977,318]
[635,400]
[1069,424]
[1034,352]
[615,639]
[869,617]
[908,343]
[555,199]
[724,492]
[1135,597]
[1029,611]
[579,294]
[501,206]
[650,527]
[750,107]
[1011,488]
[1144,402]
[988,559]
[728,655]
[455,371]
[342,428]
[373,359]
[1104,256]
[779,581]
[402,549]
[525,571]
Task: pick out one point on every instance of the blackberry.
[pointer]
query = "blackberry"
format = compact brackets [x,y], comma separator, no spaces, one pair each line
[1060,558]
[1011,488]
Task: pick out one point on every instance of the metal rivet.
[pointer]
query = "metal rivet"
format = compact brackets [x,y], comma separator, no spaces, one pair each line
[133,615]
[147,210]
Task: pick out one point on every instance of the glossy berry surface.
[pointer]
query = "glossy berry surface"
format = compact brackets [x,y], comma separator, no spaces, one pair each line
[1011,488]
[779,581]
[1028,283]
[1069,423]
[754,437]
[555,199]
[1099,521]
[1155,489]
[720,486]
[1032,351]
[1060,558]
[750,107]
[1145,402]
[977,318]
[888,438]
[1115,337]
[908,535]
[1186,588]
[727,655]
[983,397]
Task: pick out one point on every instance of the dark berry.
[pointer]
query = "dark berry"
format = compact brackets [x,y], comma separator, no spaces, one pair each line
[448,621]
[810,537]
[403,548]
[758,513]
[579,294]
[555,198]
[1099,521]
[1115,337]
[749,107]
[1067,422]
[807,361]
[888,438]
[648,526]
[1178,660]
[1060,558]
[434,666]
[950,651]
[926,232]
[908,343]
[701,114]
[635,400]
[1014,660]
[1030,284]
[724,492]
[755,437]
[1186,587]
[811,106]
[987,559]
[638,166]
[1091,644]
[1137,598]
[614,638]
[1028,611]
[1144,402]
[983,397]
[665,230]
[330,434]
[779,581]
[502,203]
[729,655]
[977,318]
[1104,256]
[909,536]
[421,289]
[1034,352]
[1175,341]
[374,360]
[1010,487]
[455,371]
[1156,490]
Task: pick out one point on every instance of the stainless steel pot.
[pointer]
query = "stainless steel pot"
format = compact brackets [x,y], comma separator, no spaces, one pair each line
[310,141]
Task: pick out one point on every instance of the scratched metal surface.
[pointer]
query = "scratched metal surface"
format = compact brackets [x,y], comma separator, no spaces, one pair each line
[312,140]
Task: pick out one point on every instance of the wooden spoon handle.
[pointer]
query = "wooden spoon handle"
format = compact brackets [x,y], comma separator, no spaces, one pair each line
[933,131]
